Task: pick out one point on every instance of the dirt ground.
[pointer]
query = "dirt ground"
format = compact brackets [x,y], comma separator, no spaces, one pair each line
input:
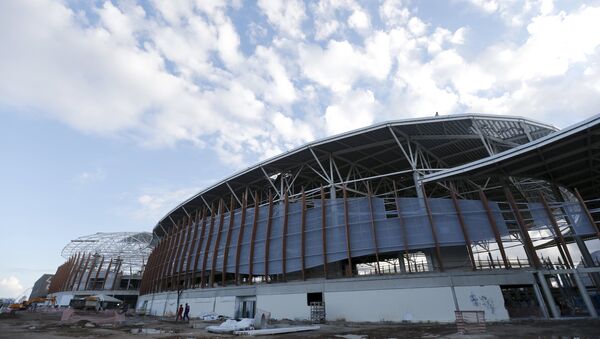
[26,325]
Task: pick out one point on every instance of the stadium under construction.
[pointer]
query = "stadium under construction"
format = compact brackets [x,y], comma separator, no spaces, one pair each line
[408,220]
[108,264]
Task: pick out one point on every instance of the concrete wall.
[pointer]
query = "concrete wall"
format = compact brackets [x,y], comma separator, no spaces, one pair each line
[482,298]
[64,299]
[415,297]
[225,306]
[166,304]
[288,306]
[158,304]
[422,304]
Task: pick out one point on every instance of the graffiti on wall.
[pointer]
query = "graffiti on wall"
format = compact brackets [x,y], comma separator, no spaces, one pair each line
[482,301]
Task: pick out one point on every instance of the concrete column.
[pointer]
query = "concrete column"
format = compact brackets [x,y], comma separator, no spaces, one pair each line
[456,307]
[549,298]
[166,301]
[584,295]
[540,299]
[401,263]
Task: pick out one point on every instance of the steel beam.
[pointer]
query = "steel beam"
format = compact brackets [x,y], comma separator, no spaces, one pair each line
[87,280]
[169,255]
[319,163]
[185,250]
[117,269]
[303,234]
[349,270]
[233,193]
[165,241]
[83,271]
[269,179]
[402,225]
[494,226]
[240,236]
[284,236]
[202,229]
[587,213]
[207,245]
[268,236]
[463,227]
[373,230]
[529,249]
[585,296]
[217,242]
[175,253]
[324,230]
[210,207]
[146,274]
[157,265]
[73,269]
[193,240]
[253,237]
[178,251]
[106,275]
[228,239]
[438,253]
[548,295]
[77,271]
[558,234]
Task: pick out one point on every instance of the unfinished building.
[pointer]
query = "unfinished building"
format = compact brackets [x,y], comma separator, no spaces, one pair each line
[407,220]
[103,263]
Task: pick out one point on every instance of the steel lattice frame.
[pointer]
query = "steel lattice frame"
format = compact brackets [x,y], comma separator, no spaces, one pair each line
[133,248]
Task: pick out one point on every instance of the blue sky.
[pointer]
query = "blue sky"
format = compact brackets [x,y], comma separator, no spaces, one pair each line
[111,113]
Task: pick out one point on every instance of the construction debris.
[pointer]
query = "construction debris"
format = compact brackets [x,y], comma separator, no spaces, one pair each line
[211,316]
[231,325]
[280,330]
[105,317]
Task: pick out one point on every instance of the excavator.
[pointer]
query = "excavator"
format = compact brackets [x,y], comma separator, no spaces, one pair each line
[25,304]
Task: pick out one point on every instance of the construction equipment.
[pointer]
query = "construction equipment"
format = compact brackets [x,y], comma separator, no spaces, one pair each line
[25,304]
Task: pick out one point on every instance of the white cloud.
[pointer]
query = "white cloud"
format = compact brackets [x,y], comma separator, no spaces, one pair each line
[155,203]
[181,71]
[10,287]
[514,13]
[292,130]
[287,16]
[130,74]
[489,6]
[333,18]
[458,38]
[416,26]
[394,13]
[350,112]
[545,76]
[555,43]
[269,78]
[359,21]
[228,43]
[341,64]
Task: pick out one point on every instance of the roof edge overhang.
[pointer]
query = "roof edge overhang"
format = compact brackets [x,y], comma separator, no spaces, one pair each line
[513,152]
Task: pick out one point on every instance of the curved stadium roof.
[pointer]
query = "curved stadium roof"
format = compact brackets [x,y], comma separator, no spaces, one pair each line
[383,149]
[132,247]
[569,157]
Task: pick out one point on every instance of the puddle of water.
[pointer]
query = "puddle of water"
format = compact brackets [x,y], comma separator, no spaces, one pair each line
[351,336]
[146,331]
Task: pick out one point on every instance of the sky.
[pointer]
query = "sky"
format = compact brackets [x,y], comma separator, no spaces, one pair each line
[113,112]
